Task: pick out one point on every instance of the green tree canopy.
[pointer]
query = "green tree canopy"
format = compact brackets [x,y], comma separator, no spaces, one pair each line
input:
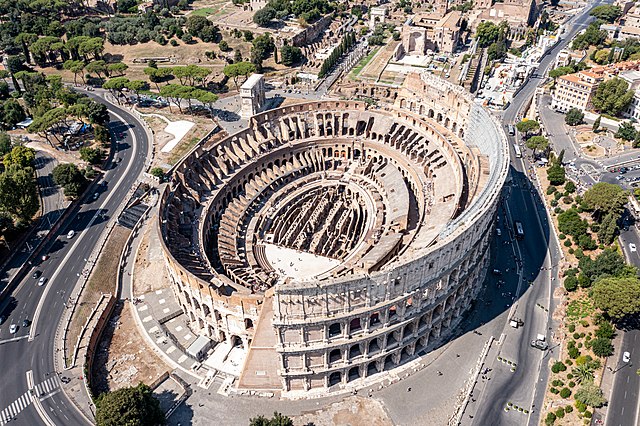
[69,177]
[617,296]
[528,126]
[602,347]
[19,192]
[556,174]
[606,197]
[626,131]
[574,117]
[488,33]
[608,263]
[129,406]
[238,69]
[612,96]
[607,12]
[277,420]
[21,156]
[264,16]
[538,143]
[570,222]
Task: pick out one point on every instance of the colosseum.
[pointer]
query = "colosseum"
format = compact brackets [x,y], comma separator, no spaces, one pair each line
[335,240]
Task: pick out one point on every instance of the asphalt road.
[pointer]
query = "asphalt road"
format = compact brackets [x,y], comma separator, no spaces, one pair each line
[624,402]
[532,297]
[45,305]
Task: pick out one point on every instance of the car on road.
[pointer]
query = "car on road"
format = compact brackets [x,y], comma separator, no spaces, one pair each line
[26,323]
[96,196]
[13,328]
[626,357]
[539,344]
[70,234]
[36,274]
[499,232]
[41,281]
[497,272]
[632,247]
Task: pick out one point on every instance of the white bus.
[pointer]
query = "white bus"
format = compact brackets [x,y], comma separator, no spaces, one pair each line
[516,148]
[519,229]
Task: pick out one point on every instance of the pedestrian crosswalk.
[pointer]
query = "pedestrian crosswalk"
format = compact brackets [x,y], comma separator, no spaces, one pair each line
[16,407]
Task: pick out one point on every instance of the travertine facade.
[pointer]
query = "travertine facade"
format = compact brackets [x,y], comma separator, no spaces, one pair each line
[395,204]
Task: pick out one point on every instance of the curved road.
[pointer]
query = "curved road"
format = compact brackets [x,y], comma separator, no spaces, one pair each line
[31,349]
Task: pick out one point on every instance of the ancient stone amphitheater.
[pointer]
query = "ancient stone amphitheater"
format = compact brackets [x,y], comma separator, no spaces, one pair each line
[336,240]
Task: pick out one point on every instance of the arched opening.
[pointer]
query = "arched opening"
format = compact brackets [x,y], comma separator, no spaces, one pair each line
[354,373]
[404,354]
[248,323]
[388,363]
[334,356]
[354,351]
[335,378]
[372,368]
[334,329]
[354,325]
[374,319]
[374,346]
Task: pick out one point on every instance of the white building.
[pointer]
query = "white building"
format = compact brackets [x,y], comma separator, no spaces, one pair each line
[252,94]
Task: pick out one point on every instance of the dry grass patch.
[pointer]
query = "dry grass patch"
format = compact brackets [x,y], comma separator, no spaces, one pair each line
[102,280]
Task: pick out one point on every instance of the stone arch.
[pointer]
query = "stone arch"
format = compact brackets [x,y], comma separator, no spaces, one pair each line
[372,368]
[354,351]
[374,346]
[335,356]
[354,373]
[355,325]
[335,378]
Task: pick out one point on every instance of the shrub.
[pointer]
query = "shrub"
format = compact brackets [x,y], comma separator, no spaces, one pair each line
[157,172]
[576,336]
[588,414]
[550,419]
[562,236]
[580,406]
[568,409]
[602,346]
[554,391]
[571,250]
[572,384]
[567,243]
[568,362]
[569,376]
[574,352]
[551,190]
[571,328]
[554,203]
[571,283]
[558,367]
[584,323]
[565,393]
[557,382]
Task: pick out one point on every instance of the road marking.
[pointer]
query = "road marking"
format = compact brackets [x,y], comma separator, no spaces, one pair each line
[14,339]
[37,403]
[15,408]
[36,316]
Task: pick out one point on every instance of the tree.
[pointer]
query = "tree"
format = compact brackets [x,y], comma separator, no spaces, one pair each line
[570,222]
[617,296]
[129,406]
[117,69]
[591,395]
[21,156]
[606,198]
[596,124]
[608,263]
[206,98]
[571,283]
[574,117]
[487,33]
[606,330]
[19,192]
[608,228]
[277,420]
[70,178]
[626,131]
[537,143]
[264,16]
[76,67]
[238,69]
[556,174]
[602,347]
[116,85]
[290,55]
[560,71]
[97,67]
[97,113]
[5,143]
[12,113]
[91,155]
[528,126]
[137,86]
[608,13]
[101,135]
[612,96]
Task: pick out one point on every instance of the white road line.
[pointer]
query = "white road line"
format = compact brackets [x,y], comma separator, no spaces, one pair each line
[37,404]
[61,264]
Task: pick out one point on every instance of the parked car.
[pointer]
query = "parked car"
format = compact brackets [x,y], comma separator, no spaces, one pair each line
[539,344]
[41,281]
[626,357]
[632,247]
[36,274]
[70,234]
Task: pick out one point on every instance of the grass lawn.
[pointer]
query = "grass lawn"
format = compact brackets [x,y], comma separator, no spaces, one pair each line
[364,61]
[205,11]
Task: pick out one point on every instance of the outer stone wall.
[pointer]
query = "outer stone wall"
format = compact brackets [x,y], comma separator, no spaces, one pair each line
[345,328]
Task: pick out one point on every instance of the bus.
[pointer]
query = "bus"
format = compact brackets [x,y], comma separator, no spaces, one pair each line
[512,130]
[519,229]
[516,148]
